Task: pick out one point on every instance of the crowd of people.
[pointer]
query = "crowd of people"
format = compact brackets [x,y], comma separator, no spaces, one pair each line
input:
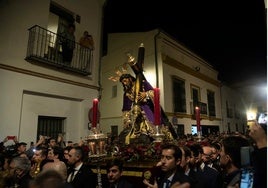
[221,161]
[214,162]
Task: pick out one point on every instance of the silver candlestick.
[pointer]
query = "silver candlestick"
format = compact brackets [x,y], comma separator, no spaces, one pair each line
[158,135]
[97,142]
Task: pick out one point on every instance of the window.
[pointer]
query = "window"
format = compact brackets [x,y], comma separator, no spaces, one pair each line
[114,91]
[229,110]
[229,127]
[179,98]
[50,126]
[59,19]
[211,103]
[236,113]
[195,94]
[180,130]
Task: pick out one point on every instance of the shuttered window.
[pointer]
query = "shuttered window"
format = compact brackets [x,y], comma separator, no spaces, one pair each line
[50,126]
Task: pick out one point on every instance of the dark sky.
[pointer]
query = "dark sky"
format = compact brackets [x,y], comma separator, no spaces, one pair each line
[229,34]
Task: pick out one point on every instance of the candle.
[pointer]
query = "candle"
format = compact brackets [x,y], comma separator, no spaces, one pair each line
[92,147]
[102,144]
[157,120]
[197,117]
[95,112]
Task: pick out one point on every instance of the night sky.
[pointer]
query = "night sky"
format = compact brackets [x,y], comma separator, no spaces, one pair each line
[229,34]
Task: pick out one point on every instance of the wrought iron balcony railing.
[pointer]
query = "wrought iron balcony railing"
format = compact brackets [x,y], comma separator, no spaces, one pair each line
[45,48]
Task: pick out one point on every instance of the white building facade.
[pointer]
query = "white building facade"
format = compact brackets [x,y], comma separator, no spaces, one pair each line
[185,81]
[36,87]
[41,95]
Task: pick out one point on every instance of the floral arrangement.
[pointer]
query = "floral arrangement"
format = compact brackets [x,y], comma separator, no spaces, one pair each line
[138,152]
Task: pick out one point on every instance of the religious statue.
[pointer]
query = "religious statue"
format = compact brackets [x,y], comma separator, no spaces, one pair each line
[138,105]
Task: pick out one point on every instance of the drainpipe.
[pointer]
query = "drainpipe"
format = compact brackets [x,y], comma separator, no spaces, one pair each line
[221,103]
[100,51]
[156,59]
[99,77]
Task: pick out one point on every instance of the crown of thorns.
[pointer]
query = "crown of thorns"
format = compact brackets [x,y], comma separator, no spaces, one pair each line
[119,71]
[122,69]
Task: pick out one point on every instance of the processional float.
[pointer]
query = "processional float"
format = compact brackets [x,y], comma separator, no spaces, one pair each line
[160,128]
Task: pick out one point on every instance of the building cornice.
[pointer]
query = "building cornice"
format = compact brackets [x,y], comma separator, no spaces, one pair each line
[191,116]
[46,76]
[176,64]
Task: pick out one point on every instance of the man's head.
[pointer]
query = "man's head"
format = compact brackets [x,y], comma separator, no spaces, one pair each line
[206,155]
[258,132]
[170,158]
[197,154]
[40,154]
[127,81]
[230,151]
[71,28]
[114,170]
[186,156]
[55,152]
[20,166]
[215,148]
[51,142]
[21,147]
[70,143]
[85,33]
[66,152]
[76,156]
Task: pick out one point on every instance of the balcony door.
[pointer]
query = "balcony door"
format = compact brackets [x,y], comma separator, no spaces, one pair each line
[58,21]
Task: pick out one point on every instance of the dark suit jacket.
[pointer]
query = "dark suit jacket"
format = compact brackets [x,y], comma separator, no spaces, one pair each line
[196,181]
[24,182]
[179,176]
[85,178]
[210,177]
[122,183]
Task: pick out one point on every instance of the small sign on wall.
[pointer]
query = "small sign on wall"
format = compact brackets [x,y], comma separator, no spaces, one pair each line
[174,120]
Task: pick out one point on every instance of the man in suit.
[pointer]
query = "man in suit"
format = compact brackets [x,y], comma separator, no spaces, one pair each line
[114,170]
[208,176]
[230,160]
[258,132]
[20,169]
[188,168]
[80,175]
[171,172]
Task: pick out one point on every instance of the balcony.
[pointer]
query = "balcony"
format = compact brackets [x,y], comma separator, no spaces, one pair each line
[45,49]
